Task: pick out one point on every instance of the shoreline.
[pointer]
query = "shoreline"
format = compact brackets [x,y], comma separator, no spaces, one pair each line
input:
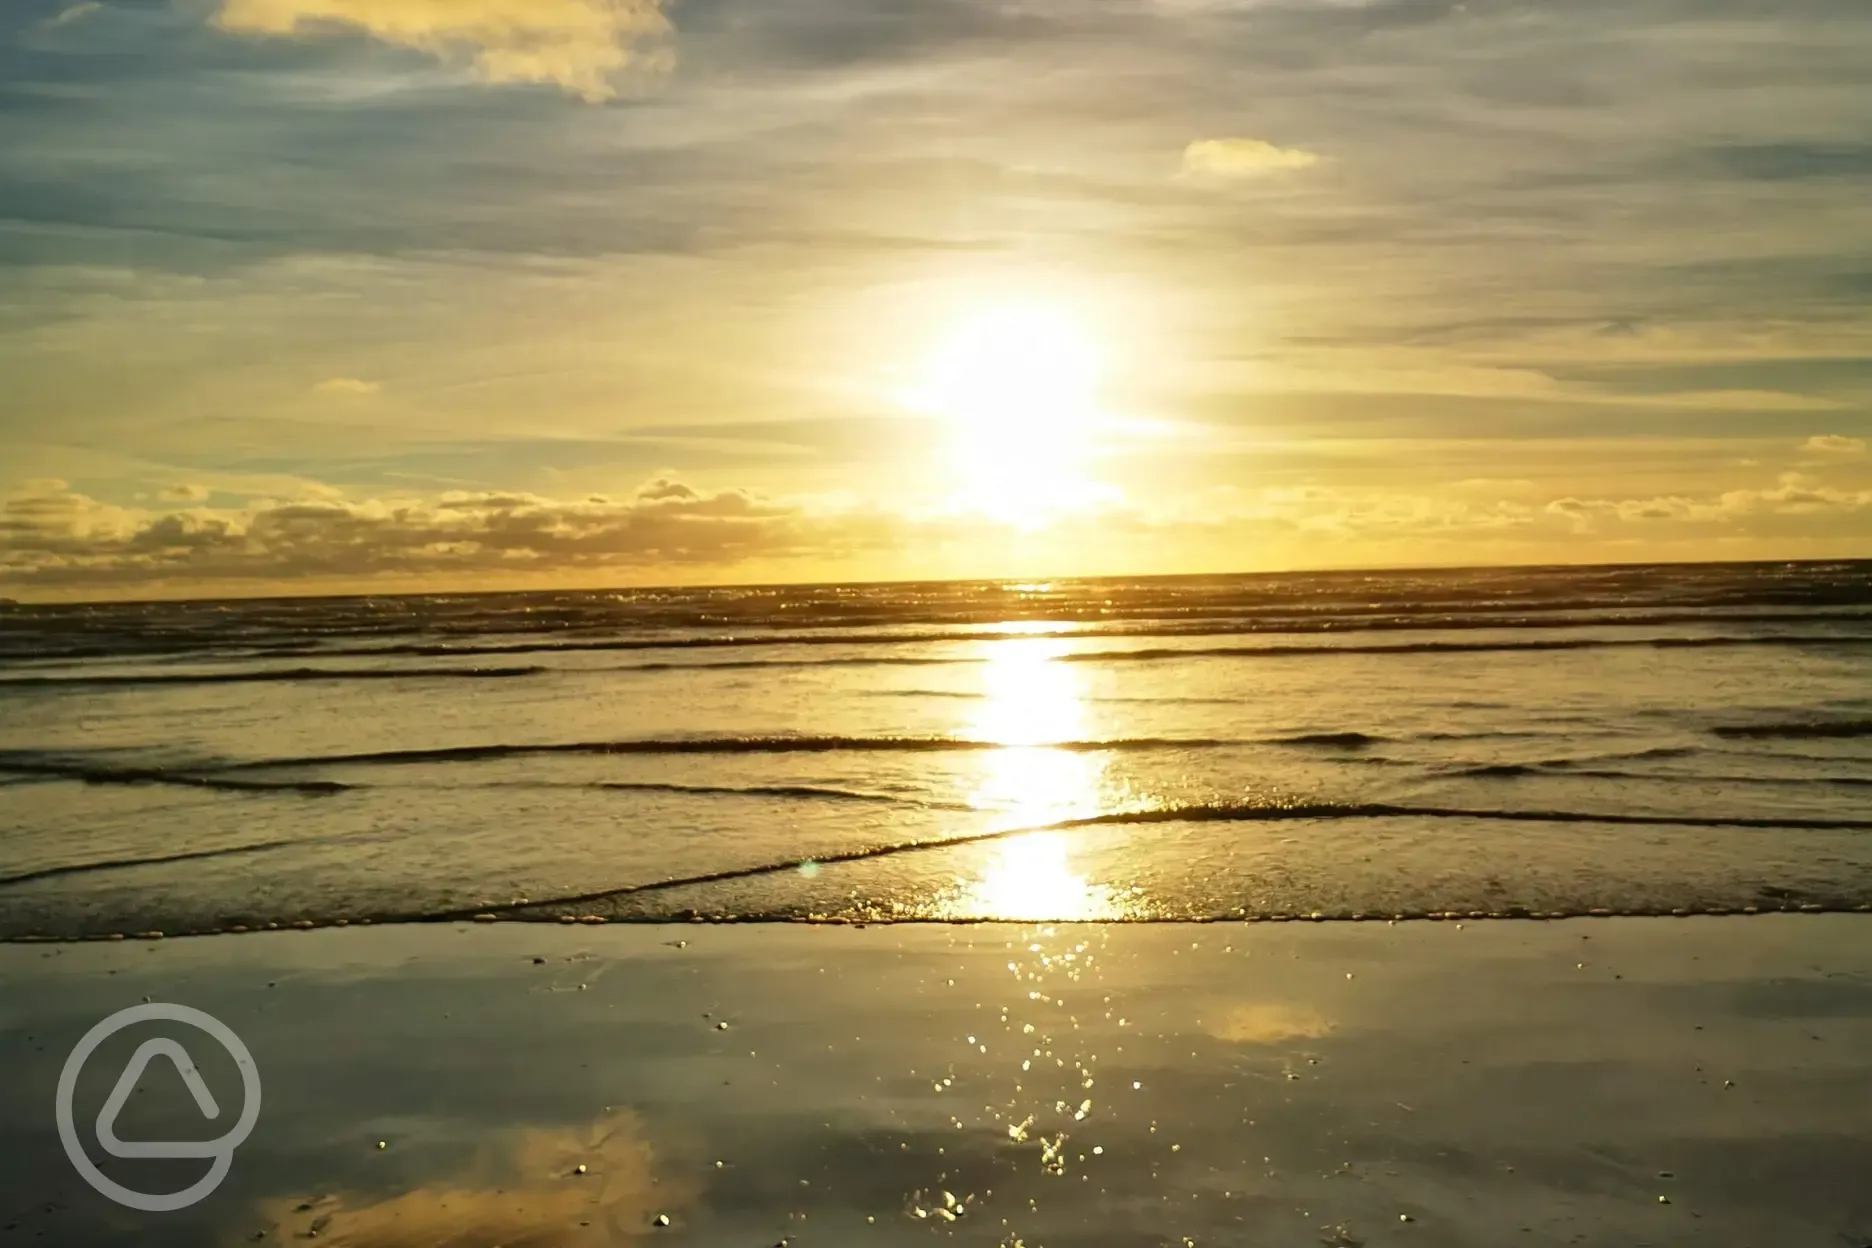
[488,919]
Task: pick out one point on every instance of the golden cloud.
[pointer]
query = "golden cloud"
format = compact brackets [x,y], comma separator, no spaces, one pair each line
[582,45]
[1242,158]
[346,385]
[51,531]
[56,541]
[1834,444]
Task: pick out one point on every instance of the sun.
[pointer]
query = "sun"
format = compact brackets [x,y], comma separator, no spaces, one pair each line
[1018,385]
[1019,367]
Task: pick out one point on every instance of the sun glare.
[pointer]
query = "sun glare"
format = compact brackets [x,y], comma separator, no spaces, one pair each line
[1018,384]
[1023,369]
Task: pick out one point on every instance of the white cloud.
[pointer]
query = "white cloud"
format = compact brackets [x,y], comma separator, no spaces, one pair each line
[581,45]
[1242,158]
[1834,444]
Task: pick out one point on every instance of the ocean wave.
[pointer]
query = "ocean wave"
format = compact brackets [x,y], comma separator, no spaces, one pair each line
[1260,813]
[809,792]
[122,864]
[1567,766]
[1282,621]
[843,660]
[1851,782]
[124,909]
[878,656]
[1201,813]
[1455,647]
[1496,771]
[95,773]
[1331,740]
[502,634]
[1649,752]
[716,745]
[1335,601]
[1798,730]
[269,675]
[1563,770]
[1155,654]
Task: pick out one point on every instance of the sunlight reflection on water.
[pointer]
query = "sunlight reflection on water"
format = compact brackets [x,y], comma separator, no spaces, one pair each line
[1031,701]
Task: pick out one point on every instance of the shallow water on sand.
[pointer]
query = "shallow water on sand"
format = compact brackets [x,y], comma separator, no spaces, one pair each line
[1547,741]
[1648,1081]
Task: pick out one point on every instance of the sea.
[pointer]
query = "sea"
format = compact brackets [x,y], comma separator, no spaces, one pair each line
[1527,742]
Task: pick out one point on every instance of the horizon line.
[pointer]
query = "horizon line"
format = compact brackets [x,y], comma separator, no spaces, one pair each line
[313,595]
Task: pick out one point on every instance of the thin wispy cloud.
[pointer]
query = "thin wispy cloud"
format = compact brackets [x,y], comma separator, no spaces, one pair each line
[75,13]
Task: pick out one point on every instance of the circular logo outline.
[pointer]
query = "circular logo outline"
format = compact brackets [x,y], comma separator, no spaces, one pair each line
[221,1150]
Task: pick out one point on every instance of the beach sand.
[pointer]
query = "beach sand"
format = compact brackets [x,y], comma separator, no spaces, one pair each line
[1593,1081]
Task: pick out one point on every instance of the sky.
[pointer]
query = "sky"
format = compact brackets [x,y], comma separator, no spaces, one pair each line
[374,295]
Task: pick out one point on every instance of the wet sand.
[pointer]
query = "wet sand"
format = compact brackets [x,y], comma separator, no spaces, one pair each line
[1609,1081]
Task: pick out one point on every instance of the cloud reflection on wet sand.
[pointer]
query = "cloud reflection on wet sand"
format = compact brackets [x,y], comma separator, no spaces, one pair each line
[1267,1022]
[527,1193]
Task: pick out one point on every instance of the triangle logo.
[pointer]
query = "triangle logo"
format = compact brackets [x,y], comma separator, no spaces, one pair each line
[178,1057]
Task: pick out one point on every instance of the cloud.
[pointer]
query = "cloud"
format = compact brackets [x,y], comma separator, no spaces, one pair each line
[1728,401]
[346,385]
[1834,444]
[1585,514]
[581,45]
[1242,158]
[58,542]
[186,493]
[76,13]
[1796,495]
[57,536]
[1792,496]
[40,485]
